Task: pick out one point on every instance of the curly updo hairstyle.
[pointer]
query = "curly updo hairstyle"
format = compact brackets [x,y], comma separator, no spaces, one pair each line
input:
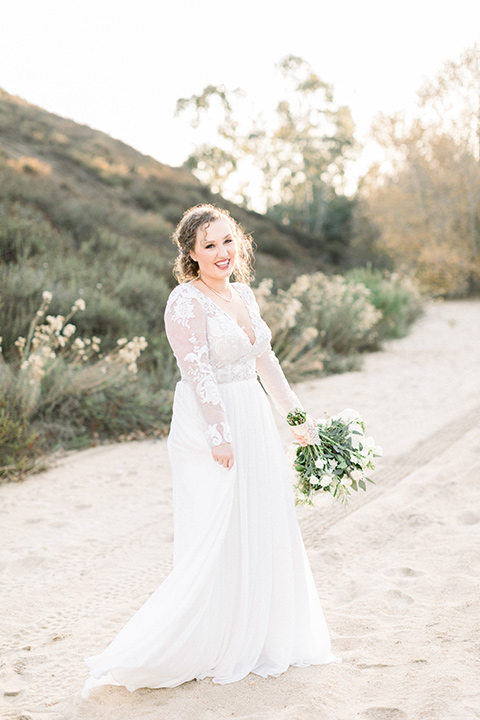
[200,216]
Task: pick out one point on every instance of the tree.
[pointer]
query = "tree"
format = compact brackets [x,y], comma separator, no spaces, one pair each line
[300,154]
[426,204]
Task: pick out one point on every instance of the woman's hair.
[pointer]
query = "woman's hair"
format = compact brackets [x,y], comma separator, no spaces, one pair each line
[185,267]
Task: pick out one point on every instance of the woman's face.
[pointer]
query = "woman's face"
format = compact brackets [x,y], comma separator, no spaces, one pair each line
[215,250]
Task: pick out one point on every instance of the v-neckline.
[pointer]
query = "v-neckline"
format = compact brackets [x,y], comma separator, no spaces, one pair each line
[252,344]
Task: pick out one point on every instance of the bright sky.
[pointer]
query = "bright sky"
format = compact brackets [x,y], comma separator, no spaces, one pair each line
[120,65]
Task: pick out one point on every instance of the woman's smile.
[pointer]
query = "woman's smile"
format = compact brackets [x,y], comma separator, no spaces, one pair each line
[215,251]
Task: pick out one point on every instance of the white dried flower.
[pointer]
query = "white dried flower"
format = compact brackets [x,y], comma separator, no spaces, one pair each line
[55,322]
[78,305]
[47,296]
[20,342]
[122,341]
[79,344]
[68,330]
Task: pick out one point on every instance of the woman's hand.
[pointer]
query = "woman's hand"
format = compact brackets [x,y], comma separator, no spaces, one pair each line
[223,455]
[306,433]
[298,438]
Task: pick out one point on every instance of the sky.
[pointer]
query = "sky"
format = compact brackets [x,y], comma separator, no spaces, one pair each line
[120,65]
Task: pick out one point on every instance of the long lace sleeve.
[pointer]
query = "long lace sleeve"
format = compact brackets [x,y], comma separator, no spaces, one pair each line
[276,384]
[185,325]
[272,376]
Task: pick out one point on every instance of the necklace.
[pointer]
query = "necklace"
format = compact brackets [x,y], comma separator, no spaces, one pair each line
[217,293]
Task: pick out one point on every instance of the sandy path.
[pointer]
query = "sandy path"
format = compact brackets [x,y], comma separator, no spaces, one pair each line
[83,545]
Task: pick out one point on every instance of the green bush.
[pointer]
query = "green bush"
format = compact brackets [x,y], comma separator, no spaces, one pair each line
[322,324]
[19,445]
[395,296]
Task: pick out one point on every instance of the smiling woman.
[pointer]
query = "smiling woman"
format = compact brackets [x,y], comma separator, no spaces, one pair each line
[241,597]
[224,231]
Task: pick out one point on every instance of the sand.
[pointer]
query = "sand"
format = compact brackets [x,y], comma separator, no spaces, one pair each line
[85,543]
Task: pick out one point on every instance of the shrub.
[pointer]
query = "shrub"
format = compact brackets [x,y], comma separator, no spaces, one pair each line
[62,390]
[319,324]
[322,324]
[395,296]
[19,445]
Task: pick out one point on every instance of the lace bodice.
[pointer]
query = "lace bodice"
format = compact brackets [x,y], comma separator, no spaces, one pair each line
[211,348]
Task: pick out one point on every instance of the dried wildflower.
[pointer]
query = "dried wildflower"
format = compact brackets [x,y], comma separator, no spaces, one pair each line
[78,305]
[69,329]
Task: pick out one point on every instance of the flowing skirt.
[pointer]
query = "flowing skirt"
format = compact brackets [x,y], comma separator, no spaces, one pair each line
[241,597]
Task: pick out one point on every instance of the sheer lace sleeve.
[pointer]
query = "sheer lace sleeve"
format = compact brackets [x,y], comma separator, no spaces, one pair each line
[186,328]
[276,384]
[272,376]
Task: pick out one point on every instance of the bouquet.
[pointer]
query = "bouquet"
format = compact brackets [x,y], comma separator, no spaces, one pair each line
[336,459]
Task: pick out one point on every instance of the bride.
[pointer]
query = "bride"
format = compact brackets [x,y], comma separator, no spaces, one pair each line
[241,596]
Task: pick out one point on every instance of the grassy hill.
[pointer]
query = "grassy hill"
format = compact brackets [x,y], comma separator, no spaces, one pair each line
[84,214]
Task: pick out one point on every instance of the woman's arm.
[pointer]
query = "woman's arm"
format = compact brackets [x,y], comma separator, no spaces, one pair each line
[186,328]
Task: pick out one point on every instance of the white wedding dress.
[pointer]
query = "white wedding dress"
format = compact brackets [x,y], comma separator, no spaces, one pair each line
[241,597]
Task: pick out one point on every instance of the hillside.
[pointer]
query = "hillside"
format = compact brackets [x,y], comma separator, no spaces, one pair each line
[83,214]
[81,180]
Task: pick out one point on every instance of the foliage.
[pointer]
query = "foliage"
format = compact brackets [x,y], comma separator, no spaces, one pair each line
[319,324]
[62,390]
[322,324]
[396,296]
[426,201]
[298,155]
[19,446]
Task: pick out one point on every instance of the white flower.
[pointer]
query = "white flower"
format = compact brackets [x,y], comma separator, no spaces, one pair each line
[320,463]
[78,305]
[355,440]
[325,480]
[377,450]
[348,415]
[356,475]
[122,341]
[55,322]
[47,295]
[367,447]
[69,329]
[79,344]
[346,481]
[20,342]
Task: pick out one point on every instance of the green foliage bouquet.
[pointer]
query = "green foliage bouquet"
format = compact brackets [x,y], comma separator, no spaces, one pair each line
[336,458]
